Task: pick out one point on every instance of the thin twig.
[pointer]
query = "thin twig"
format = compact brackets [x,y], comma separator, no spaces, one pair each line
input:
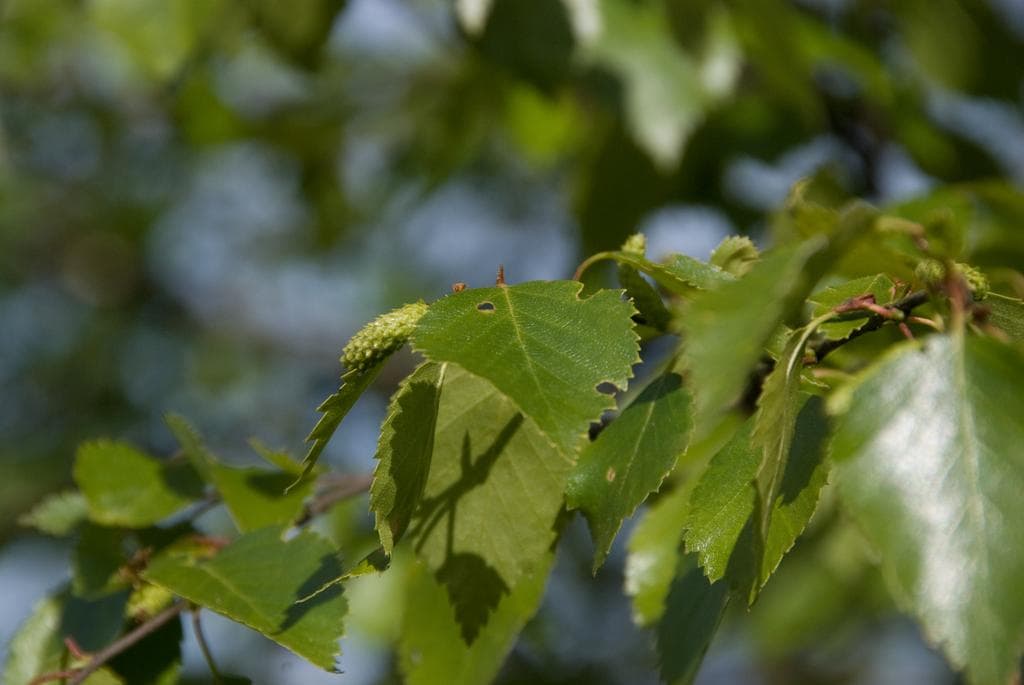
[117,646]
[338,487]
[204,647]
[874,322]
[78,675]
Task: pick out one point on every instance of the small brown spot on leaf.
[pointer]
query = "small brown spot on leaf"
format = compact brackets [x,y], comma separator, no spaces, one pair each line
[610,474]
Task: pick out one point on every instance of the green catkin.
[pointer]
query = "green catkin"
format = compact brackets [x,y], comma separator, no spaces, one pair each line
[736,254]
[931,272]
[382,336]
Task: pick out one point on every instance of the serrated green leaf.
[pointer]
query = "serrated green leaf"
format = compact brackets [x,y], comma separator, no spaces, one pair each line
[678,273]
[654,551]
[721,523]
[930,458]
[257,581]
[630,458]
[1006,314]
[124,487]
[404,452]
[58,514]
[774,427]
[353,384]
[541,345]
[98,555]
[430,647]
[727,329]
[36,648]
[879,285]
[693,610]
[492,497]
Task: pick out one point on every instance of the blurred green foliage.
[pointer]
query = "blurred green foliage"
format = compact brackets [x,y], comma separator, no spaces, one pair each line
[201,199]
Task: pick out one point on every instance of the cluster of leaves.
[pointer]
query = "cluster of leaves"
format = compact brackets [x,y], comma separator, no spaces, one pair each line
[857,351]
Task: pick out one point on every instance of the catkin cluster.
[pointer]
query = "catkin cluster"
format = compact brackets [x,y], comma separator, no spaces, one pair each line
[382,336]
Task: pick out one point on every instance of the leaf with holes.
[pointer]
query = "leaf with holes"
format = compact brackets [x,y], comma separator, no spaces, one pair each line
[929,450]
[491,499]
[630,459]
[541,345]
[259,580]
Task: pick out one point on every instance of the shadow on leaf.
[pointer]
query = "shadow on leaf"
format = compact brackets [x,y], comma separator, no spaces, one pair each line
[474,587]
[319,588]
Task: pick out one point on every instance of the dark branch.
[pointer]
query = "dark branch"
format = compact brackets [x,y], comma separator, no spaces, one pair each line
[904,305]
[79,675]
[335,489]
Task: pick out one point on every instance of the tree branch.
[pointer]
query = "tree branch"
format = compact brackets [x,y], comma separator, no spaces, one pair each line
[904,306]
[78,675]
[197,629]
[336,488]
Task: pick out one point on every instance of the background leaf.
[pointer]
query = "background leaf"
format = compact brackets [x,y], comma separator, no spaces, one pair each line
[36,648]
[258,579]
[930,458]
[540,345]
[693,610]
[99,553]
[654,551]
[124,487]
[57,514]
[630,458]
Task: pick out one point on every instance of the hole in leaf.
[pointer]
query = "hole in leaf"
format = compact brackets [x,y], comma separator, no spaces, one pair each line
[486,307]
[606,388]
